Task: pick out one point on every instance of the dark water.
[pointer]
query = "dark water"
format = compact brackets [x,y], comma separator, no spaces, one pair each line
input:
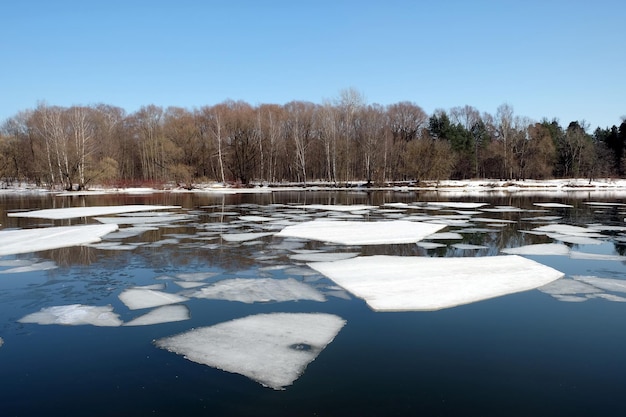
[524,354]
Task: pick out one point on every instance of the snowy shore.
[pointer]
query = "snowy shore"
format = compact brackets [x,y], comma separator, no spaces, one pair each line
[463,187]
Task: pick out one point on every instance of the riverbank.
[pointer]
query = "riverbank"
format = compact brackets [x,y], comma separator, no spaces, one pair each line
[447,186]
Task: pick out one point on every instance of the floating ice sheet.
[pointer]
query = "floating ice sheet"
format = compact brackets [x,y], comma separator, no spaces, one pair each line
[272,349]
[259,290]
[35,266]
[136,298]
[74,315]
[396,283]
[553,205]
[457,204]
[582,288]
[74,212]
[244,237]
[165,314]
[539,249]
[322,256]
[361,233]
[150,220]
[34,240]
[337,207]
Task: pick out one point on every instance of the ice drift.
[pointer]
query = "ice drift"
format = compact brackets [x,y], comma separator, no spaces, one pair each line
[136,298]
[361,233]
[165,314]
[74,314]
[259,290]
[34,240]
[272,349]
[397,283]
[74,212]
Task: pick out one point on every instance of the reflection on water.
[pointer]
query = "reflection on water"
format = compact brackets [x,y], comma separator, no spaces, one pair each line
[533,353]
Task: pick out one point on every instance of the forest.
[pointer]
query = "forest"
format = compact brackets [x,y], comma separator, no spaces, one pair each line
[340,142]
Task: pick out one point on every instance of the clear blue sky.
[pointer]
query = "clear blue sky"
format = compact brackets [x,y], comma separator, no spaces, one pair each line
[546,58]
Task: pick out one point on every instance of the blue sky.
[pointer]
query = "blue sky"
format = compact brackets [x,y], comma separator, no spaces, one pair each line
[552,59]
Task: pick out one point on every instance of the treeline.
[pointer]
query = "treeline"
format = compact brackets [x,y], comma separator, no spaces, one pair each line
[337,142]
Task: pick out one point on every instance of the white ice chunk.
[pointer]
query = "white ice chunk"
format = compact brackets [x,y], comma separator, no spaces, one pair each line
[323,257]
[1,342]
[467,246]
[74,314]
[38,266]
[539,249]
[256,218]
[33,240]
[457,204]
[574,240]
[396,283]
[568,286]
[361,233]
[430,245]
[445,236]
[195,276]
[74,212]
[597,256]
[165,314]
[151,220]
[189,284]
[566,229]
[337,207]
[259,290]
[606,284]
[272,349]
[244,237]
[141,298]
[553,205]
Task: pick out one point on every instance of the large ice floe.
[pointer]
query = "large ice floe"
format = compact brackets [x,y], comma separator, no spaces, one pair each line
[396,283]
[164,314]
[582,288]
[33,240]
[74,315]
[361,232]
[137,298]
[272,349]
[259,290]
[74,212]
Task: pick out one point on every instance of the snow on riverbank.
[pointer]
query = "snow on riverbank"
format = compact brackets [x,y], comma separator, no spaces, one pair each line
[446,186]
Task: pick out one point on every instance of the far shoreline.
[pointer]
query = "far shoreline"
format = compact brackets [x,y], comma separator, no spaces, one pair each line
[452,187]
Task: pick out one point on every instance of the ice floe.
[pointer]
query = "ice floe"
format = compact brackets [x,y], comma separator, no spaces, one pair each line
[322,256]
[74,315]
[35,266]
[361,233]
[165,218]
[337,207]
[553,205]
[244,237]
[74,212]
[582,288]
[271,349]
[165,314]
[457,204]
[34,240]
[539,249]
[137,298]
[256,290]
[395,283]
